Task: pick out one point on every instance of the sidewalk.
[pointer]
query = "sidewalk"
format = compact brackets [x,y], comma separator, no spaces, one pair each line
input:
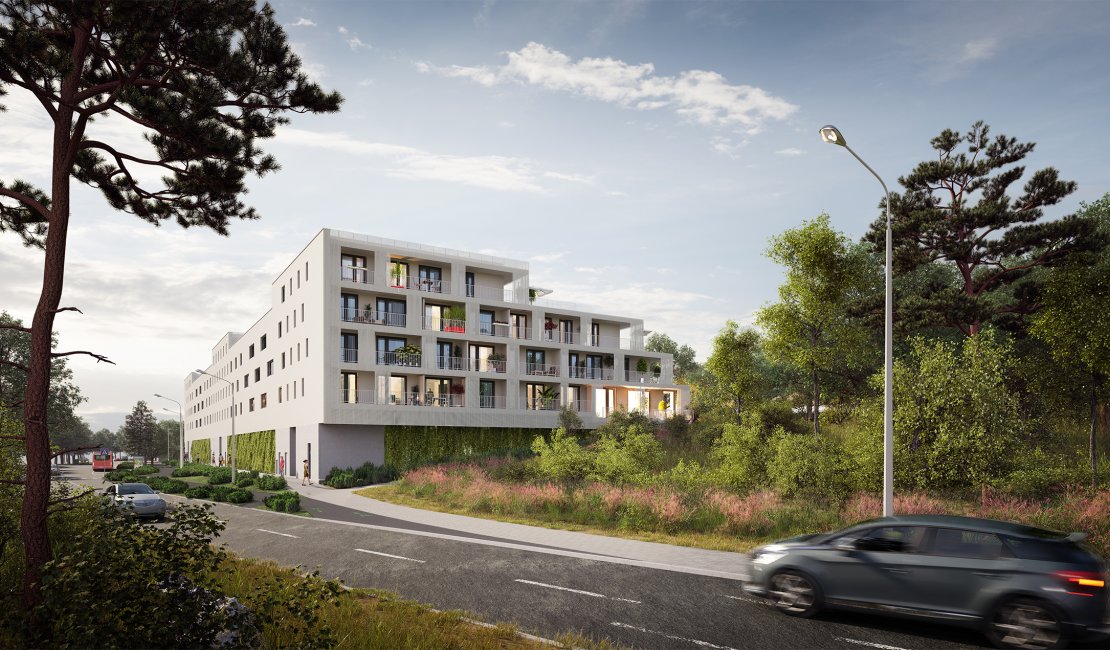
[679,558]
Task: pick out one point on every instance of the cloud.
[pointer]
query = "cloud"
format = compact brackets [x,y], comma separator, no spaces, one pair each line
[354,42]
[727,146]
[701,96]
[547,258]
[979,50]
[570,178]
[503,173]
[791,151]
[302,22]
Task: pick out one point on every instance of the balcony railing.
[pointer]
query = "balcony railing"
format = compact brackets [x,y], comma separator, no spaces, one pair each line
[420,284]
[485,292]
[520,332]
[407,360]
[556,335]
[486,365]
[622,343]
[582,372]
[416,399]
[541,404]
[451,363]
[357,274]
[444,324]
[366,396]
[493,329]
[637,377]
[541,369]
[491,401]
[372,316]
[580,406]
[349,355]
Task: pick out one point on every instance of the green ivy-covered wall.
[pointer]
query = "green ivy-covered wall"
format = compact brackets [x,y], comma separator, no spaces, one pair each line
[256,450]
[407,446]
[200,451]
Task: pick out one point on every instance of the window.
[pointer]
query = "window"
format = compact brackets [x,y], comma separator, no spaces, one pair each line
[485,322]
[398,274]
[298,352]
[306,271]
[302,386]
[283,361]
[258,374]
[306,348]
[534,362]
[269,367]
[283,293]
[262,343]
[252,404]
[595,334]
[520,326]
[246,380]
[894,539]
[348,387]
[250,352]
[294,318]
[469,284]
[302,313]
[279,329]
[348,303]
[348,347]
[391,312]
[298,279]
[279,394]
[968,543]
[262,401]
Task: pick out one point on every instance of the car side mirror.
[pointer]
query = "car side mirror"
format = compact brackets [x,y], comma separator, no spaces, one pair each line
[846,544]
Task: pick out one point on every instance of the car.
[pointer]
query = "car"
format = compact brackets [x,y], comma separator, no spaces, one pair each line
[1024,587]
[138,499]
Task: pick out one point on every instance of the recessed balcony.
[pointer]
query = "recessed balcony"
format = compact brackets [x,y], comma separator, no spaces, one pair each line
[539,369]
[357,275]
[372,317]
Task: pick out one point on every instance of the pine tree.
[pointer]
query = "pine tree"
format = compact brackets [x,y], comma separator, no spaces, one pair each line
[140,429]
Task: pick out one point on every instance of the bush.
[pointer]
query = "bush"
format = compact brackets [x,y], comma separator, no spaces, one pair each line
[156,483]
[340,478]
[562,459]
[144,470]
[385,474]
[742,454]
[239,496]
[287,501]
[119,476]
[245,481]
[173,486]
[271,483]
[802,464]
[365,474]
[125,465]
[628,456]
[219,475]
[199,492]
[221,492]
[191,469]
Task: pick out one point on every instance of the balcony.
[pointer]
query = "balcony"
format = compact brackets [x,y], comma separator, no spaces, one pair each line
[493,329]
[491,401]
[580,406]
[419,284]
[616,342]
[348,355]
[356,274]
[366,396]
[542,404]
[556,335]
[486,292]
[539,369]
[582,372]
[403,359]
[415,399]
[452,363]
[372,316]
[487,365]
[636,377]
[438,324]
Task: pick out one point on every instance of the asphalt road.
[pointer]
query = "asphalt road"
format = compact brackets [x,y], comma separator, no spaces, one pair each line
[547,594]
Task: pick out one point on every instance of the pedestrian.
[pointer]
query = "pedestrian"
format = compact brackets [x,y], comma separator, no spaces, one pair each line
[281,464]
[213,459]
[306,475]
[221,460]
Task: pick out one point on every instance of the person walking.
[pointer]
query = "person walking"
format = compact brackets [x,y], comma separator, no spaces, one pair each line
[281,464]
[306,475]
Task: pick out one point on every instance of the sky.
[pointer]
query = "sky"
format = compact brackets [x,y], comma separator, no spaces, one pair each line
[638,154]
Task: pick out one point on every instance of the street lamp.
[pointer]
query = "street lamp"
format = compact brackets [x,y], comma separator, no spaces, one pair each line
[832,135]
[231,444]
[180,430]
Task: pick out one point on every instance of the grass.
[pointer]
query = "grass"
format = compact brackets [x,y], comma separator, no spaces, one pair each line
[371,619]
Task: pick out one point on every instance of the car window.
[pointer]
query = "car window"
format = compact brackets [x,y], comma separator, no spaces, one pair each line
[1047,551]
[955,542]
[906,539]
[136,488]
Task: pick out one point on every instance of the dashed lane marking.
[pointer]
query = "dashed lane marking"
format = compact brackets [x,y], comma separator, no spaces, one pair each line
[869,644]
[672,637]
[396,557]
[576,591]
[274,532]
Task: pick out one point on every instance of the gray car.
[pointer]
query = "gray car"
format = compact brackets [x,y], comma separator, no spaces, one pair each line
[138,498]
[1024,587]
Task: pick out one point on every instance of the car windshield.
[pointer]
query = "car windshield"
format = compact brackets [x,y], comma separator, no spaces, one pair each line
[135,488]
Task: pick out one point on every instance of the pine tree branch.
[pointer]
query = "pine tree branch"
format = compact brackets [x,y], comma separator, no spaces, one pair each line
[98,357]
[55,502]
[61,309]
[27,201]
[19,328]
[15,365]
[75,449]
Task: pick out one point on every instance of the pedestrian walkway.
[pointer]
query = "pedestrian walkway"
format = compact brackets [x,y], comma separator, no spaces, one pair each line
[664,556]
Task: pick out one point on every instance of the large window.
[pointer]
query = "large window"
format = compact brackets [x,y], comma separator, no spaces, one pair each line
[348,387]
[431,278]
[534,362]
[485,322]
[354,269]
[349,347]
[349,303]
[520,326]
[487,394]
[391,312]
[469,284]
[387,352]
[398,274]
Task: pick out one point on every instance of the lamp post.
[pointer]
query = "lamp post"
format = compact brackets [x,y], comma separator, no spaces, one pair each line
[231,443]
[180,430]
[832,135]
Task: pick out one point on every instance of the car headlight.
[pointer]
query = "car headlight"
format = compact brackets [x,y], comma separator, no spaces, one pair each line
[768,557]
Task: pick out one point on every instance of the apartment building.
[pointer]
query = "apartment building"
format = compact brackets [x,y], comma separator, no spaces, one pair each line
[367,333]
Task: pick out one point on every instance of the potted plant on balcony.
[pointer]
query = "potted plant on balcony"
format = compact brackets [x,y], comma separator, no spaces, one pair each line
[408,355]
[549,328]
[368,314]
[496,361]
[531,295]
[395,275]
[454,319]
[457,393]
[546,398]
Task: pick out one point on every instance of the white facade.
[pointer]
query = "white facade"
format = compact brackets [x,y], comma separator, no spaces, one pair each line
[366,332]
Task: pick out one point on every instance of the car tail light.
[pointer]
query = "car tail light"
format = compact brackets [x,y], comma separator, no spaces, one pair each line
[1082,583]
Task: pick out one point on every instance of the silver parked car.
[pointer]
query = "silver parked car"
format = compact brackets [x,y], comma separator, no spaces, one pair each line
[1024,587]
[138,498]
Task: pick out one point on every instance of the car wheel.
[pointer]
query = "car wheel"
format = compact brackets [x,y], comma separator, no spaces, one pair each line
[1026,623]
[794,594]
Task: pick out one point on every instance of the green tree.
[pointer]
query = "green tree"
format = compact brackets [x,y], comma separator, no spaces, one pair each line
[955,213]
[205,80]
[169,438]
[1075,318]
[562,459]
[735,365]
[684,362]
[812,327]
[105,438]
[141,431]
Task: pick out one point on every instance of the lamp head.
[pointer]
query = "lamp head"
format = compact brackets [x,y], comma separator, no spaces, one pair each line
[832,135]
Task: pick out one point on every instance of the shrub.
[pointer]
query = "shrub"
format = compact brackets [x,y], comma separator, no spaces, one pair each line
[239,496]
[245,481]
[173,486]
[125,465]
[144,470]
[287,501]
[742,454]
[271,483]
[221,492]
[219,475]
[802,464]
[628,456]
[119,476]
[385,474]
[340,478]
[562,459]
[199,492]
[191,469]
[156,483]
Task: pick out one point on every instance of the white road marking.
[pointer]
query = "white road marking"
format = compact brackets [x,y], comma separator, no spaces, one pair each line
[274,532]
[396,557]
[672,637]
[745,599]
[869,644]
[577,591]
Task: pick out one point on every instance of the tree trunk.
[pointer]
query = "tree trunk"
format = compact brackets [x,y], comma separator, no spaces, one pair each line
[739,405]
[1096,383]
[816,406]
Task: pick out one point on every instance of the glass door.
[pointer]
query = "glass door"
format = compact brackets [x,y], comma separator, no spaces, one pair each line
[436,391]
[354,268]
[431,278]
[487,394]
[479,358]
[469,284]
[398,274]
[444,358]
[397,386]
[485,323]
[391,312]
[533,360]
[572,365]
[348,387]
[566,328]
[348,303]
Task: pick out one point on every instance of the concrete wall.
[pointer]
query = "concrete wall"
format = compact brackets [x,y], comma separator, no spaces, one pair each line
[349,445]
